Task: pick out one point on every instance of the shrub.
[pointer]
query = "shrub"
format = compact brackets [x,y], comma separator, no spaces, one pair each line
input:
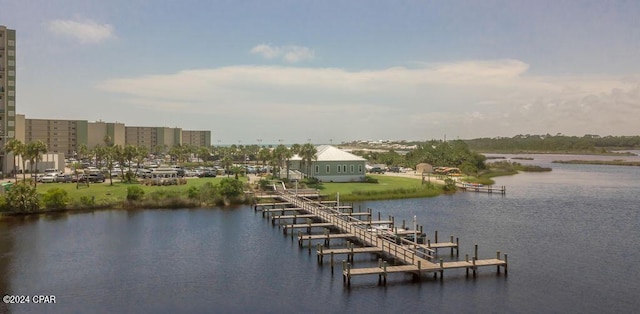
[134,193]
[87,201]
[23,198]
[55,198]
[449,185]
[3,204]
[193,192]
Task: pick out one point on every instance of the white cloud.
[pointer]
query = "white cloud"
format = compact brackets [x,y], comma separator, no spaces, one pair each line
[86,32]
[466,99]
[291,54]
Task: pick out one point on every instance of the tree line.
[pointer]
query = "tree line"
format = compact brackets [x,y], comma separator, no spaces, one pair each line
[108,155]
[554,143]
[455,153]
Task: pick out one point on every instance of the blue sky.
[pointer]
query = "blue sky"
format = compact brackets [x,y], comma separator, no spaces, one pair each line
[333,70]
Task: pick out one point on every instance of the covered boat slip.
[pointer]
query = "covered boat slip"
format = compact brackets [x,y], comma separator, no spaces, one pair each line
[410,251]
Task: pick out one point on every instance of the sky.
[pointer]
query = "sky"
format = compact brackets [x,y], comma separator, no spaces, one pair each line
[332,71]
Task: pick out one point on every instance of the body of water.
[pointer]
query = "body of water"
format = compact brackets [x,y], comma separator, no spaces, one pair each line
[572,235]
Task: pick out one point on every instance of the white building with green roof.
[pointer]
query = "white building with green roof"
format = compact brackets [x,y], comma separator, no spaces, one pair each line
[332,165]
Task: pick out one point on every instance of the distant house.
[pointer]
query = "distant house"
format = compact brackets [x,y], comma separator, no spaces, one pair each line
[332,165]
[424,168]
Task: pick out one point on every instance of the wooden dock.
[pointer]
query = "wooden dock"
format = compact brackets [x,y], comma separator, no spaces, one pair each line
[409,255]
[490,189]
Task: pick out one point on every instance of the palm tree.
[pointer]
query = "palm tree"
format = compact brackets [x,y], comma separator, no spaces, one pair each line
[203,154]
[82,151]
[110,156]
[308,153]
[16,148]
[34,151]
[141,153]
[128,154]
[264,155]
[279,155]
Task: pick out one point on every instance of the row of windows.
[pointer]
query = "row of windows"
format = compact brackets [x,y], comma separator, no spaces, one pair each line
[340,169]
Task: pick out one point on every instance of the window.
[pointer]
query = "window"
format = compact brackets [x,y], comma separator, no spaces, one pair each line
[338,168]
[12,73]
[11,42]
[12,83]
[344,168]
[317,169]
[11,53]
[11,63]
[328,169]
[351,169]
[359,168]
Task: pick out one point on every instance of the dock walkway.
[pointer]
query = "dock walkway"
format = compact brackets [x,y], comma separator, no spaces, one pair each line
[384,242]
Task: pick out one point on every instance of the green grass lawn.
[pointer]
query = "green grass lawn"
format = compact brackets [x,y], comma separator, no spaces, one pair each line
[106,193]
[388,187]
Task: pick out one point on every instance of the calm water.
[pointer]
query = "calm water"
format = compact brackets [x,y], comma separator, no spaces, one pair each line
[573,238]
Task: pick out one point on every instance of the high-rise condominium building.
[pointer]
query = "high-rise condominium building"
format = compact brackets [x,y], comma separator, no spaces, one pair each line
[7,89]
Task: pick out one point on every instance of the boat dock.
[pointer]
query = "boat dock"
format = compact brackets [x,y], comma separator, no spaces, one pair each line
[479,188]
[408,250]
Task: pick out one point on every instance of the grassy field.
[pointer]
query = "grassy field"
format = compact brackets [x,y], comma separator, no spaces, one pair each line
[388,187]
[104,193]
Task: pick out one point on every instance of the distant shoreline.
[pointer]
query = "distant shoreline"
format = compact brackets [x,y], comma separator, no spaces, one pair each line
[598,162]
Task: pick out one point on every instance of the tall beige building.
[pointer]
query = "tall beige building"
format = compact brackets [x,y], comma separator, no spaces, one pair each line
[97,131]
[7,91]
[196,138]
[66,136]
[155,139]
[60,136]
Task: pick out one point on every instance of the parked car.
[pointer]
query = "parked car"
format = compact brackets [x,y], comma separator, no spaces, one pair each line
[95,178]
[207,174]
[63,178]
[48,178]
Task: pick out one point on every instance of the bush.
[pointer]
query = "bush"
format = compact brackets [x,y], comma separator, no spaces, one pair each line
[3,204]
[449,185]
[23,198]
[55,198]
[87,201]
[134,193]
[193,192]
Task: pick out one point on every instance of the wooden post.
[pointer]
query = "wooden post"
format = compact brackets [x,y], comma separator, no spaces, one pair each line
[457,246]
[441,269]
[475,254]
[498,258]
[344,267]
[466,258]
[300,239]
[348,274]
[331,262]
[474,266]
[403,225]
[436,236]
[385,272]
[352,253]
[452,246]
[506,264]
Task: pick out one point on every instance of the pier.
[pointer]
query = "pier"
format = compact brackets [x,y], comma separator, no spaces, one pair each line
[479,188]
[408,249]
